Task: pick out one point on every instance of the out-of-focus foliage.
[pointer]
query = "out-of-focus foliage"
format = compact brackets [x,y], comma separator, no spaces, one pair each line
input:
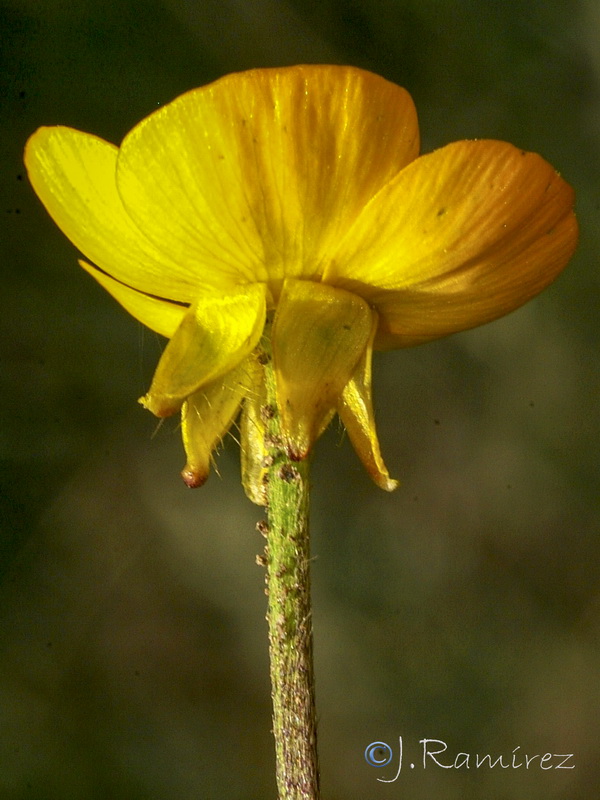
[465,607]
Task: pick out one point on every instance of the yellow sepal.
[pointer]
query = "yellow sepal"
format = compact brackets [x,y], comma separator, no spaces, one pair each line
[215,335]
[253,452]
[319,335]
[206,417]
[356,412]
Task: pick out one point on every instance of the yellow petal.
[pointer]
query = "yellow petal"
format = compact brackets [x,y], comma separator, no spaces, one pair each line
[73,174]
[319,335]
[460,237]
[215,335]
[158,315]
[356,412]
[206,417]
[257,174]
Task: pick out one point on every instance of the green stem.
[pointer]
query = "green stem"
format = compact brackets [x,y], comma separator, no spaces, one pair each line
[287,559]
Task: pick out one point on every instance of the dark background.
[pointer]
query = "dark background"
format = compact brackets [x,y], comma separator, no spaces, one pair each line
[465,607]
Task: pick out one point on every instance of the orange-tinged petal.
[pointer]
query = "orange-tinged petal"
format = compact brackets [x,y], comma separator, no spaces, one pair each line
[319,335]
[414,316]
[158,315]
[355,408]
[206,416]
[258,174]
[73,174]
[215,335]
[460,237]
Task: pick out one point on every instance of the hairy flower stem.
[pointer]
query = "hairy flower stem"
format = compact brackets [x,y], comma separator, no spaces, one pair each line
[287,558]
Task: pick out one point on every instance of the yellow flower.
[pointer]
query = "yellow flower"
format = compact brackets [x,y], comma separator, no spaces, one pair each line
[297,196]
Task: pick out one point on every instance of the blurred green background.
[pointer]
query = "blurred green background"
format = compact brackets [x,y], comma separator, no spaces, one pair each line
[465,607]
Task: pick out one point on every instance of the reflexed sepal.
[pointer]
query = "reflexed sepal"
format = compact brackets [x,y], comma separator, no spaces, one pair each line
[319,335]
[356,412]
[206,416]
[253,429]
[215,335]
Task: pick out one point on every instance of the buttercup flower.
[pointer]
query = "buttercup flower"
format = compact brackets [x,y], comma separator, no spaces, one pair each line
[293,203]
